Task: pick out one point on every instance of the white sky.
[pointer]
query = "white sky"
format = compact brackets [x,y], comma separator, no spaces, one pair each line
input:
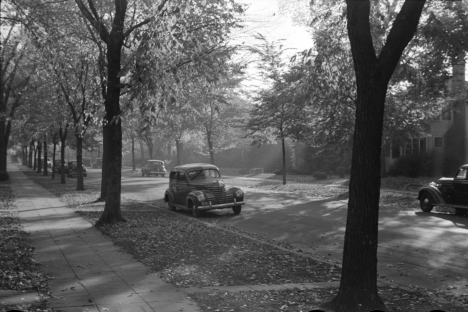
[265,17]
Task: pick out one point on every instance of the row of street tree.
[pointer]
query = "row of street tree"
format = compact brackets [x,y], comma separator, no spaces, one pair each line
[162,72]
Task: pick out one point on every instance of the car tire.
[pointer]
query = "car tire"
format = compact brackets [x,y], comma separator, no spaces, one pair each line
[195,212]
[237,209]
[170,206]
[425,202]
[460,212]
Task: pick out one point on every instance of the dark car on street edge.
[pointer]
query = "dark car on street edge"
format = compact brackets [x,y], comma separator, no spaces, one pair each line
[199,187]
[447,192]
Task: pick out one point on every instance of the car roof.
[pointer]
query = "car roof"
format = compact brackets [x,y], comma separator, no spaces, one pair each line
[195,167]
[155,160]
[464,166]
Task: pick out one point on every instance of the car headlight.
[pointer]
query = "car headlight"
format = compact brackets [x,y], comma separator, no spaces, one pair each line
[201,197]
[239,193]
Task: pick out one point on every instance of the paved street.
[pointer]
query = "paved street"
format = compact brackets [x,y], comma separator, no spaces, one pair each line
[427,250]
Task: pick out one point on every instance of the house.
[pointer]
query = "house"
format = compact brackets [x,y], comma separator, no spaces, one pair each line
[446,135]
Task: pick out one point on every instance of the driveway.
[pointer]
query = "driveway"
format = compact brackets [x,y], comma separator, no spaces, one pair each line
[415,248]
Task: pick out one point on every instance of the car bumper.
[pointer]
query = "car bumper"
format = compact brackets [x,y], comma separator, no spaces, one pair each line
[220,206]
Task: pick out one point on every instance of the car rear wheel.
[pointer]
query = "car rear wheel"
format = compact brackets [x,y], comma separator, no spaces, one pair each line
[425,202]
[460,212]
[195,212]
[237,209]
[170,206]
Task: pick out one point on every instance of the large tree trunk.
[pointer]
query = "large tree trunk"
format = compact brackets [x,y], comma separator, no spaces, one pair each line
[79,163]
[179,150]
[3,139]
[62,160]
[39,150]
[142,152]
[45,157]
[105,162]
[25,155]
[210,147]
[133,154]
[53,160]
[358,287]
[113,148]
[30,160]
[283,151]
[35,159]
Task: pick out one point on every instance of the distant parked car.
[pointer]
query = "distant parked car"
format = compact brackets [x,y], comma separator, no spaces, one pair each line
[198,188]
[73,169]
[448,192]
[154,167]
[97,163]
[86,161]
[58,167]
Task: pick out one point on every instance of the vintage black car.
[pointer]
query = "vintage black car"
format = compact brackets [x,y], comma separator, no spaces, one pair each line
[447,192]
[198,188]
[97,163]
[154,167]
[73,169]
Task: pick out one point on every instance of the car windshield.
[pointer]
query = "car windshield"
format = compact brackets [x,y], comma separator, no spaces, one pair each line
[156,165]
[203,174]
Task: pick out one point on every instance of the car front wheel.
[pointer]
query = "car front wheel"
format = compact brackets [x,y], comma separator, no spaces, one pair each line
[237,209]
[195,212]
[426,202]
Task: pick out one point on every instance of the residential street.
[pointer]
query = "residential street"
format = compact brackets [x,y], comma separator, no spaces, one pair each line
[415,248]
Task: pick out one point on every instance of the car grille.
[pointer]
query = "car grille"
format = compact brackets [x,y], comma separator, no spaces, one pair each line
[220,196]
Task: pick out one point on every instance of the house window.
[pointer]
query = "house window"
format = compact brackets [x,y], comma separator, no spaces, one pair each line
[438,142]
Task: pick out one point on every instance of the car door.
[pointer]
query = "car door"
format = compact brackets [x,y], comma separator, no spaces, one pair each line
[460,185]
[183,188]
[173,185]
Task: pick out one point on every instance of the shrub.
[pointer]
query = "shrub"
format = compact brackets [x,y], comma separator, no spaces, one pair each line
[341,171]
[278,172]
[256,170]
[244,171]
[320,175]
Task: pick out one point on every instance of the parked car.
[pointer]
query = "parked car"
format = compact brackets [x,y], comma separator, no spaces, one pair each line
[58,165]
[73,169]
[154,167]
[97,163]
[447,192]
[86,161]
[198,188]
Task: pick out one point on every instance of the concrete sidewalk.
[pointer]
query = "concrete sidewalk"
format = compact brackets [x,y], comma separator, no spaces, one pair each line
[89,272]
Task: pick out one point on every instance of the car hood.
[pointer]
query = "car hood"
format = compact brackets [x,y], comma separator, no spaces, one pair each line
[206,183]
[445,181]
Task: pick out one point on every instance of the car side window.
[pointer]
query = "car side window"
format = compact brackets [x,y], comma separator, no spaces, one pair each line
[461,175]
[173,176]
[182,177]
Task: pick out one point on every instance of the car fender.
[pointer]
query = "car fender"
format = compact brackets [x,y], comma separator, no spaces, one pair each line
[233,191]
[168,195]
[436,195]
[193,196]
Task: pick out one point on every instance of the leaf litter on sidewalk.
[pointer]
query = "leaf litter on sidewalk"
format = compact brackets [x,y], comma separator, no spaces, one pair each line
[18,269]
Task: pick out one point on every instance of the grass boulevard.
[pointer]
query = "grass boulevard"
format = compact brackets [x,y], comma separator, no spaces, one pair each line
[219,267]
